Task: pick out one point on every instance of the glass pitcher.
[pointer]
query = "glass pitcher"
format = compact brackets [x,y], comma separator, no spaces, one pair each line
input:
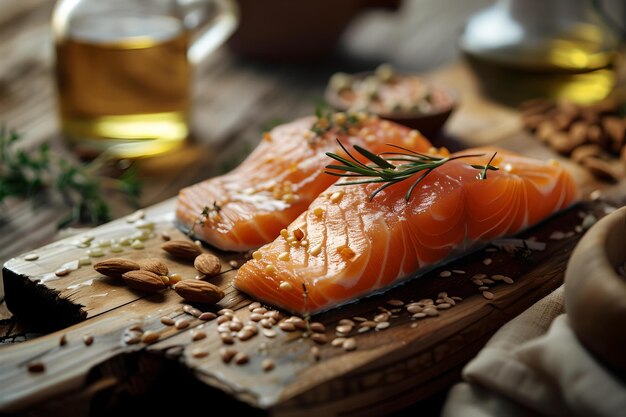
[123,69]
[562,49]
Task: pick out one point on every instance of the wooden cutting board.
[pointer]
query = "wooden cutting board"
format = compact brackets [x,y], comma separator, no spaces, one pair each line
[389,369]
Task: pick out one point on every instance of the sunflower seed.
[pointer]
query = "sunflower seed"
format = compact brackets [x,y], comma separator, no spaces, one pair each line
[445,274]
[488,295]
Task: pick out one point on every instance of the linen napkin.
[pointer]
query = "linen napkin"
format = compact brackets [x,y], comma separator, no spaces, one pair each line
[535,366]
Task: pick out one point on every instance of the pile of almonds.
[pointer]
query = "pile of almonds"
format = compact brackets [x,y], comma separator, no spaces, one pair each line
[152,274]
[593,136]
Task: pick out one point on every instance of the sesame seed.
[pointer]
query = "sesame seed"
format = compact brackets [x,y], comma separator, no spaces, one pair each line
[508,280]
[36,367]
[315,250]
[284,256]
[181,324]
[137,244]
[285,286]
[168,321]
[336,196]
[95,253]
[227,354]
[382,325]
[62,272]
[174,278]
[349,344]
[269,333]
[419,315]
[84,261]
[257,255]
[395,303]
[270,269]
[445,274]
[488,295]
[150,337]
[116,248]
[267,365]
[458,271]
[487,261]
[199,353]
[241,358]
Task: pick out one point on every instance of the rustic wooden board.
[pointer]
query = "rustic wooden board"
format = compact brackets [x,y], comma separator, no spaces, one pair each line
[390,368]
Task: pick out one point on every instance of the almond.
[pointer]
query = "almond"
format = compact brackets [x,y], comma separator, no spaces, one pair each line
[198,291]
[155,265]
[601,169]
[144,281]
[182,249]
[208,264]
[115,267]
[586,151]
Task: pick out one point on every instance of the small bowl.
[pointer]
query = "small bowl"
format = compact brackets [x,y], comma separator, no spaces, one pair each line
[595,293]
[429,123]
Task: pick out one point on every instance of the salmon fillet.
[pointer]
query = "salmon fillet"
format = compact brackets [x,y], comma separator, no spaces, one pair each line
[346,246]
[250,205]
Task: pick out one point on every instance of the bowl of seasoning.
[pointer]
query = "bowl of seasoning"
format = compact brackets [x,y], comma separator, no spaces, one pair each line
[407,99]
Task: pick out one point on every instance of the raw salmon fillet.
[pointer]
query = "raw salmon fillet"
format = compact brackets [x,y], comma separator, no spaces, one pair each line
[278,181]
[346,246]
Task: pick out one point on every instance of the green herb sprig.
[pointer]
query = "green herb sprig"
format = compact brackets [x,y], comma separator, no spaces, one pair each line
[326,121]
[30,175]
[382,170]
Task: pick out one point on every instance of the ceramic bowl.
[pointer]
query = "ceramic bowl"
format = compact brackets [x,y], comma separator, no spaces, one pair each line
[595,293]
[428,123]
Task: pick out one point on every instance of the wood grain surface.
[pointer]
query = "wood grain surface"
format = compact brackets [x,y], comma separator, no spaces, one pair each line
[233,100]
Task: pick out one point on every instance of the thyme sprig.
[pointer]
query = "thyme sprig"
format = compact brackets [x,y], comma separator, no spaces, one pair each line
[204,215]
[389,168]
[38,173]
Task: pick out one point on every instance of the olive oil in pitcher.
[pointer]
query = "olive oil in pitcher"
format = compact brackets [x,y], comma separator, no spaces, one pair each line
[124,84]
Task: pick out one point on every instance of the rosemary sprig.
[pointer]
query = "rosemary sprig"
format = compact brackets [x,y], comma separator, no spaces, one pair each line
[390,168]
[30,175]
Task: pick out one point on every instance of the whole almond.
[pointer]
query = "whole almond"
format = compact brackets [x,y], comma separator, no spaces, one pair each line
[155,265]
[586,151]
[182,249]
[198,291]
[603,170]
[615,129]
[144,281]
[115,267]
[208,264]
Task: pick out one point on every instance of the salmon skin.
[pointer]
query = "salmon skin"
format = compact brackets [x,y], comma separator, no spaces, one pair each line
[345,246]
[248,207]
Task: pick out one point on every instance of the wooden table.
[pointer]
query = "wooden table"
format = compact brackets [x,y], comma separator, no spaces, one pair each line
[234,99]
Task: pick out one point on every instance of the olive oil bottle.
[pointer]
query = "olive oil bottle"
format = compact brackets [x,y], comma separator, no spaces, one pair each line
[124,84]
[522,49]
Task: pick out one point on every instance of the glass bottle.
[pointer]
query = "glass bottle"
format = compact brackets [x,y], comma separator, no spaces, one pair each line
[123,69]
[561,49]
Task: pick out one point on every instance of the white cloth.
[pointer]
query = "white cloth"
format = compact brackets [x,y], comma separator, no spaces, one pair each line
[535,366]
